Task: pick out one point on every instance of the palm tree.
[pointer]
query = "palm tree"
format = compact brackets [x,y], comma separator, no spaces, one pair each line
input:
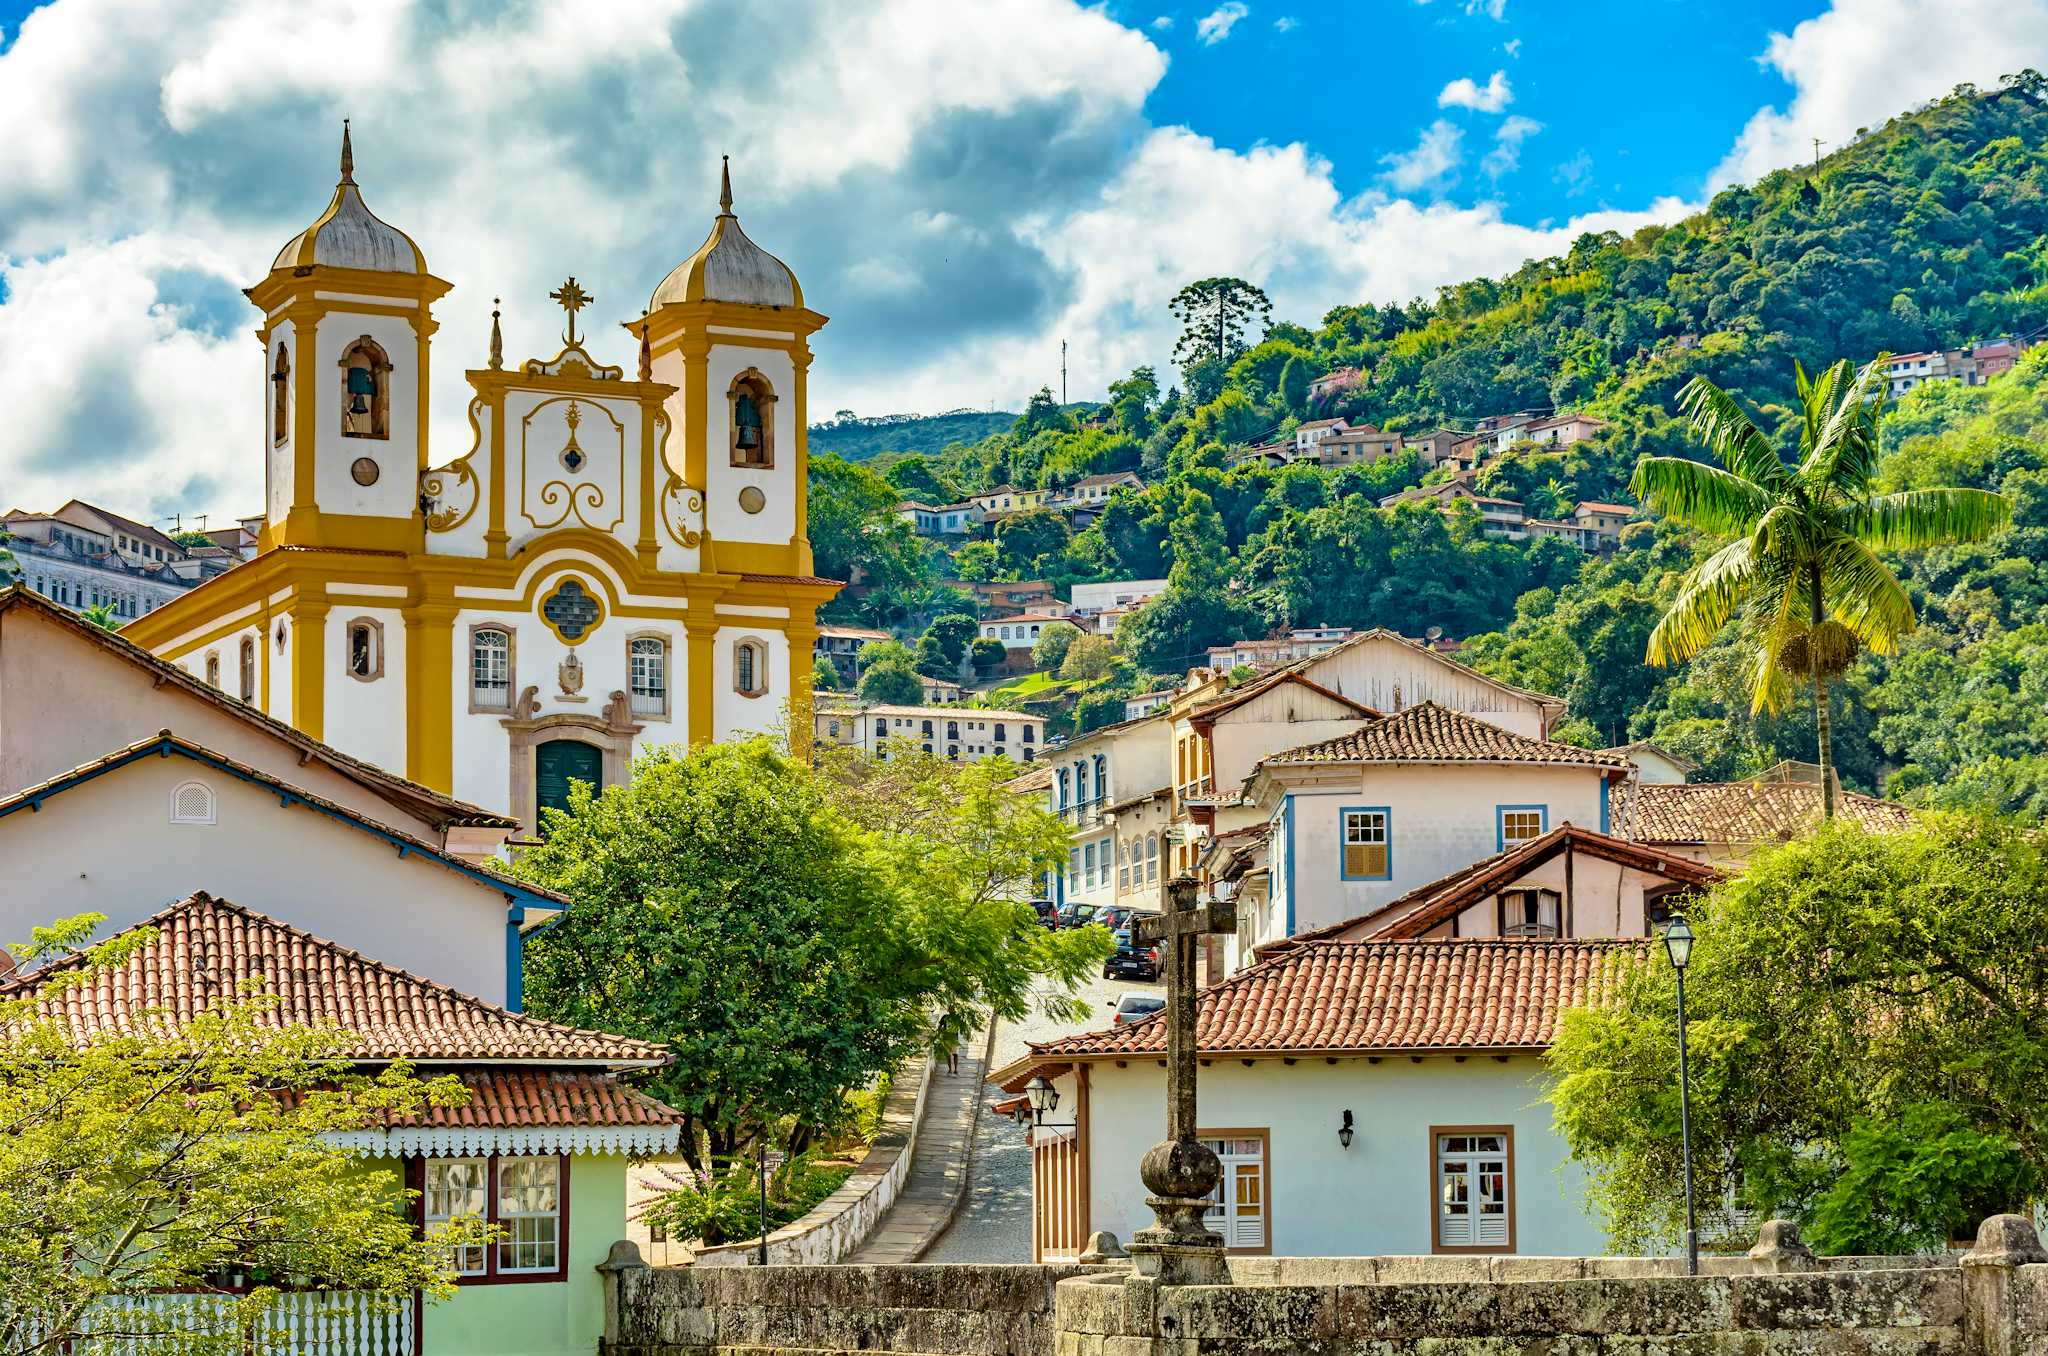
[1803,566]
[102,616]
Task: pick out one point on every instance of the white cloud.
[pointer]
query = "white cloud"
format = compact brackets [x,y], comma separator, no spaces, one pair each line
[1432,164]
[1863,61]
[1163,23]
[1495,95]
[1513,47]
[1286,23]
[1576,174]
[1492,9]
[1507,145]
[1215,26]
[956,194]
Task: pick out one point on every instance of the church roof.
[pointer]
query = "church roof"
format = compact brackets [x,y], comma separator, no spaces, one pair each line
[349,235]
[729,267]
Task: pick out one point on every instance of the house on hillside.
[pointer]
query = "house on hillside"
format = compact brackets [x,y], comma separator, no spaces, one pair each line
[1303,642]
[1094,775]
[1087,600]
[1091,492]
[1390,673]
[1724,823]
[540,1146]
[1356,445]
[959,734]
[1333,382]
[1019,635]
[1365,1098]
[84,556]
[1656,765]
[1356,821]
[843,644]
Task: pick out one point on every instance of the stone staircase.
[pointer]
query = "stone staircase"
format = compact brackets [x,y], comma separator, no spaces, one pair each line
[938,1167]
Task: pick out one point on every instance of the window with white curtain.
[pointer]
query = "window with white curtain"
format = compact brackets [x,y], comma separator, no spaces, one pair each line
[647,656]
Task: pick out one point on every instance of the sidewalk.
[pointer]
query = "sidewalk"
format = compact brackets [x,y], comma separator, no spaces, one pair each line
[938,1169]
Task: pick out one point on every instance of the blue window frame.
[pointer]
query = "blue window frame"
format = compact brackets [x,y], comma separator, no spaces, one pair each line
[1365,836]
[1517,824]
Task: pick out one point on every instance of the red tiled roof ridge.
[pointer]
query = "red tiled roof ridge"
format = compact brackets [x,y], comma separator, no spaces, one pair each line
[1435,733]
[608,1047]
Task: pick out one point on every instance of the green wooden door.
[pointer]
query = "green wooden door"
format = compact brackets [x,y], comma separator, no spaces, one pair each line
[559,762]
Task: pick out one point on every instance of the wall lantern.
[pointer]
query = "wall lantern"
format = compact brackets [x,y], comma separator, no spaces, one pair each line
[1344,1131]
[1043,1097]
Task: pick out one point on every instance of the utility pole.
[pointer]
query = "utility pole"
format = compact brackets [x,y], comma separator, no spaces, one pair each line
[1063,374]
[1817,144]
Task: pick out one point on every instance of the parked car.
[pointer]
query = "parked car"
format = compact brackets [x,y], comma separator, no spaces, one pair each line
[1048,916]
[1131,960]
[1115,917]
[1074,915]
[1133,1006]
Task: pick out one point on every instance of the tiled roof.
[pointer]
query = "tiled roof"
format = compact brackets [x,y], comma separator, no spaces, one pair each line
[205,948]
[1741,812]
[442,811]
[165,744]
[806,580]
[512,1098]
[1357,997]
[1257,687]
[1428,733]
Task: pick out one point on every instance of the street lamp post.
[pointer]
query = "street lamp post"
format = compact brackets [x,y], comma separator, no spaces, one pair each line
[764,1196]
[1678,946]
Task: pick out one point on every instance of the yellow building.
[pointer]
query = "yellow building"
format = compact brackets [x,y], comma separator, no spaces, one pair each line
[612,562]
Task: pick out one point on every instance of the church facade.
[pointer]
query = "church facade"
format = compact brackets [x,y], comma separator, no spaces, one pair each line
[614,562]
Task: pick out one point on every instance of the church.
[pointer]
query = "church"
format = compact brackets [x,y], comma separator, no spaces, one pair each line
[612,563]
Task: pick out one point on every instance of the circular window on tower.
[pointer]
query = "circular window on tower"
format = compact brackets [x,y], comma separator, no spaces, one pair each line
[364,470]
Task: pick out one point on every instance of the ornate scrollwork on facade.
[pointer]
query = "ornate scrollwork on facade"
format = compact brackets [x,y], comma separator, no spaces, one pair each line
[574,362]
[442,486]
[680,505]
[593,453]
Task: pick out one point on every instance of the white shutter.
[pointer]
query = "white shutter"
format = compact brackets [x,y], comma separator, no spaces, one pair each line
[1474,1195]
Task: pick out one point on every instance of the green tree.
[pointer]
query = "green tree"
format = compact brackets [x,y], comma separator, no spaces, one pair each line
[169,1154]
[976,562]
[824,674]
[1131,401]
[1867,1020]
[892,682]
[1213,315]
[1054,639]
[988,653]
[917,477]
[724,908]
[1089,658]
[952,633]
[1042,412]
[189,538]
[853,526]
[1803,565]
[1198,608]
[1294,384]
[102,616]
[1024,540]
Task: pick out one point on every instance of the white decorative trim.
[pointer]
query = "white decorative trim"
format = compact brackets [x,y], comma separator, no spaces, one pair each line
[465,1141]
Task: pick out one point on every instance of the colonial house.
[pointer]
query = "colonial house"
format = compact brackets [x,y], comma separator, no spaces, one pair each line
[540,1147]
[1356,445]
[942,520]
[1097,490]
[1098,777]
[959,734]
[167,817]
[1007,499]
[70,692]
[1330,383]
[842,645]
[1357,821]
[1498,517]
[1365,1098]
[1654,764]
[1145,703]
[1389,673]
[1561,431]
[620,560]
[83,556]
[1303,642]
[1088,599]
[1009,597]
[1019,634]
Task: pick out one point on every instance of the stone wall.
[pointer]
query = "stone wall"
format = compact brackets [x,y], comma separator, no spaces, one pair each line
[1778,1301]
[929,1310]
[836,1226]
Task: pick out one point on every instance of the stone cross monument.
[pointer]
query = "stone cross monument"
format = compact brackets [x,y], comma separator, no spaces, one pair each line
[1181,1172]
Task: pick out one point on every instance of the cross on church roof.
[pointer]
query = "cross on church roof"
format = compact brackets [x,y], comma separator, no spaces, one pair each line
[572,299]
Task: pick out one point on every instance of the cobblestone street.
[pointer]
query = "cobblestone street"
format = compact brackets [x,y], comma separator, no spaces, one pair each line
[994,1220]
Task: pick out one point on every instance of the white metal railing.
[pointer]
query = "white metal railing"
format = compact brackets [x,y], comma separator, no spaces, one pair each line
[299,1322]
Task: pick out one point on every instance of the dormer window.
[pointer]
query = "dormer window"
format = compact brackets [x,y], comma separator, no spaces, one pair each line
[1530,913]
[365,390]
[751,426]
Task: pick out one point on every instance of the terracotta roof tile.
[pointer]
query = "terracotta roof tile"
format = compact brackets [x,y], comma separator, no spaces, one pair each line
[1341,997]
[206,948]
[1741,812]
[528,1098]
[1428,733]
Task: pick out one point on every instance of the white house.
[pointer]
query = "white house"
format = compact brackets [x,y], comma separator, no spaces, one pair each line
[1021,632]
[1096,490]
[1656,765]
[1364,1097]
[1389,672]
[1117,766]
[1359,820]
[1115,593]
[959,734]
[1145,703]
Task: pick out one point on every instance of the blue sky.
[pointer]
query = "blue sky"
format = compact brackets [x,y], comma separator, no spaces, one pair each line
[959,184]
[1639,99]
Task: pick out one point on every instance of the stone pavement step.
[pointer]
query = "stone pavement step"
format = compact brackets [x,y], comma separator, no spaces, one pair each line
[938,1167]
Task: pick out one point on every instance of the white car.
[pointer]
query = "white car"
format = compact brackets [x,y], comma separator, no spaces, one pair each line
[1134,1006]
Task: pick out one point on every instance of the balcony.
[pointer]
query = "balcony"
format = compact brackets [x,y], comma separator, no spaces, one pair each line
[303,1322]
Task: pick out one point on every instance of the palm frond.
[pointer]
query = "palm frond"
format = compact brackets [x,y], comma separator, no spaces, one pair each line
[1705,602]
[1774,617]
[1864,595]
[1914,519]
[1707,497]
[1842,456]
[1727,428]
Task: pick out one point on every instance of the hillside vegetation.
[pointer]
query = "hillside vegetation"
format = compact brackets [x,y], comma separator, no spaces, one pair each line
[1931,231]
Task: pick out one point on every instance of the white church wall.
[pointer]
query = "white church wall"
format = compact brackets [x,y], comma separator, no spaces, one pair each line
[366,717]
[735,715]
[471,492]
[277,495]
[776,522]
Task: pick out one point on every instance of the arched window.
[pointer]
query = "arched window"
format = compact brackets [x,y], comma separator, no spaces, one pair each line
[751,423]
[490,668]
[248,668]
[281,396]
[647,662]
[192,803]
[952,729]
[1002,732]
[365,654]
[213,670]
[365,390]
[750,668]
[1151,858]
[1123,865]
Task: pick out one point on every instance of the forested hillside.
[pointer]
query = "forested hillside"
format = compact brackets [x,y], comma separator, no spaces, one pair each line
[857,439]
[1929,232]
